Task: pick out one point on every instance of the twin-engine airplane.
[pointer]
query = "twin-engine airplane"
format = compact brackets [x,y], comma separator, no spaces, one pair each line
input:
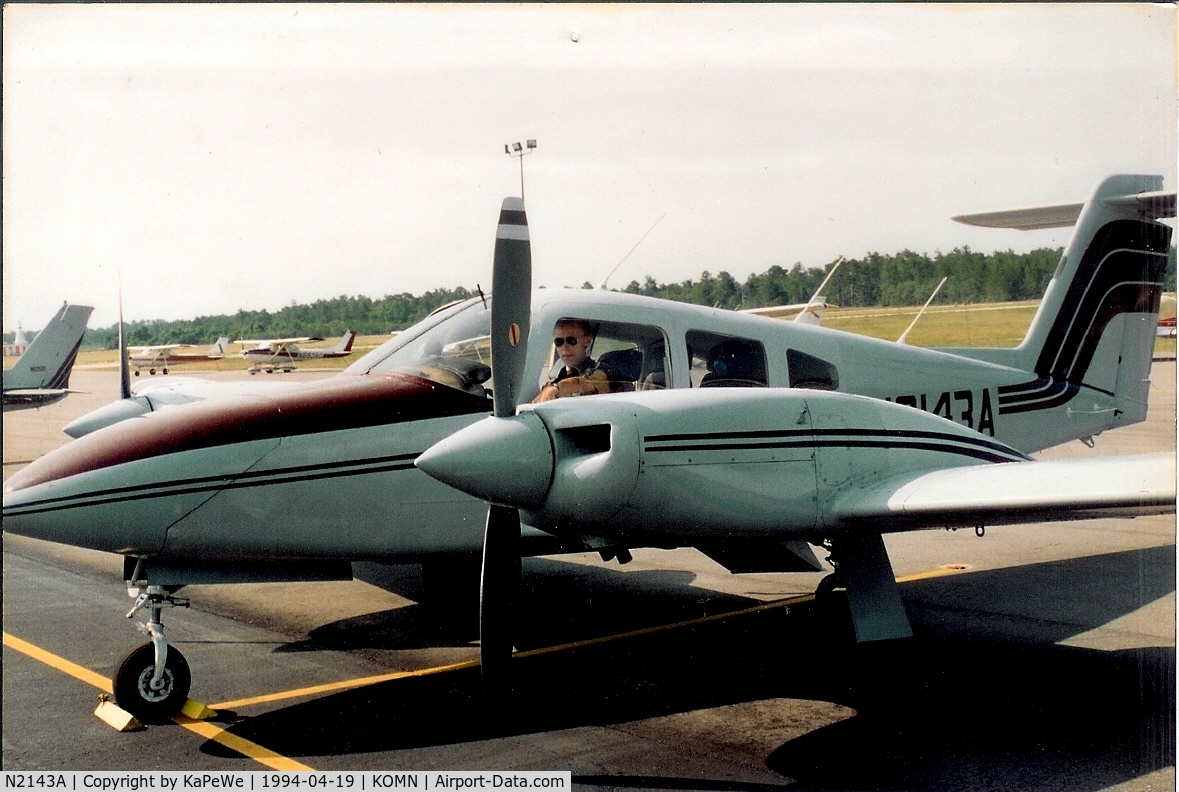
[283,353]
[746,437]
[165,355]
[41,375]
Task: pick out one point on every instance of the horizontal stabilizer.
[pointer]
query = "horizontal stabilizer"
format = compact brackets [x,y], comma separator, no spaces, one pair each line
[1150,205]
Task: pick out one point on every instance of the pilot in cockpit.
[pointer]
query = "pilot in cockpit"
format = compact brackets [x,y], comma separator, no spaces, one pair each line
[580,375]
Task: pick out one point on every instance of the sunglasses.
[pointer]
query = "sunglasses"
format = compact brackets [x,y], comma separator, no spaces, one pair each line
[570,340]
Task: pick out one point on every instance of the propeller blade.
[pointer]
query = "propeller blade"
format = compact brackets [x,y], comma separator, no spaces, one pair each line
[497,597]
[511,308]
[124,362]
[511,305]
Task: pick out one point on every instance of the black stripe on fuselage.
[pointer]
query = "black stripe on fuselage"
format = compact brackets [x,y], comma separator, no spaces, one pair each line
[829,433]
[834,438]
[299,473]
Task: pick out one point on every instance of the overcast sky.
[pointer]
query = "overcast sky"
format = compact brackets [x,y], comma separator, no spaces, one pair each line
[236,156]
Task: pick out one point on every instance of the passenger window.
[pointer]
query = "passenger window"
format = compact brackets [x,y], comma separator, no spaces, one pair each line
[720,361]
[633,356]
[808,371]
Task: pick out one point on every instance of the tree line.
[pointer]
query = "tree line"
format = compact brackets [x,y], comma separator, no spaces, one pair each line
[324,318]
[904,278]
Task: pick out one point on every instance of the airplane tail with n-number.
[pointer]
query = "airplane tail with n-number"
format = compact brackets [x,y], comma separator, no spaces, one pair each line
[1095,327]
[48,361]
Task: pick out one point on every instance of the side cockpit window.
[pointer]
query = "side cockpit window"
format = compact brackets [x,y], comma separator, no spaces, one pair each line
[808,371]
[726,362]
[632,357]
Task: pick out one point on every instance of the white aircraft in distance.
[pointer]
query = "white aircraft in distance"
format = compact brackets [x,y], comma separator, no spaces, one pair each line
[809,312]
[283,353]
[795,436]
[41,375]
[165,355]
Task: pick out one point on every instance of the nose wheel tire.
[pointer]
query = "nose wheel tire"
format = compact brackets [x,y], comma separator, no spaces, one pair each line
[133,684]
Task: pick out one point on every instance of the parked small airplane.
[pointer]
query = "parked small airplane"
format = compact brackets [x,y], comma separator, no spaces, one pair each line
[283,353]
[41,375]
[165,355]
[296,483]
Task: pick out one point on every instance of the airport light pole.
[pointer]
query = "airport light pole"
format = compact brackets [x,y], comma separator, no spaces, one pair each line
[518,150]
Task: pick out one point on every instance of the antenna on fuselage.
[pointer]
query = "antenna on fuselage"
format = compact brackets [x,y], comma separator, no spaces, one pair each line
[905,334]
[602,285]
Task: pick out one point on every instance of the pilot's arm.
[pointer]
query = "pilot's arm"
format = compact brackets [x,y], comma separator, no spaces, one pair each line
[595,382]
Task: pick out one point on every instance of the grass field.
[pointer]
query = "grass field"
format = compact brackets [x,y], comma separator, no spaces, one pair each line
[981,325]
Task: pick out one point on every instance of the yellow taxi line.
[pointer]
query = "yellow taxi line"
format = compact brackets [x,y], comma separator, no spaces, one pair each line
[344,685]
[259,754]
[92,678]
[207,730]
[782,603]
[950,569]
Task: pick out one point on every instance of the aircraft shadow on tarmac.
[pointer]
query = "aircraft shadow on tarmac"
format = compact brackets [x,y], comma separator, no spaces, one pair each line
[560,602]
[962,705]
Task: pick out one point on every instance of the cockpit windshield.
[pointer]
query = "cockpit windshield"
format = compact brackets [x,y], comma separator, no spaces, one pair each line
[451,347]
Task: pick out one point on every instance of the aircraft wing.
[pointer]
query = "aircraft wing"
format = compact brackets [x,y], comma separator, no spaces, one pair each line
[1154,204]
[272,342]
[24,393]
[1043,491]
[777,311]
[157,348]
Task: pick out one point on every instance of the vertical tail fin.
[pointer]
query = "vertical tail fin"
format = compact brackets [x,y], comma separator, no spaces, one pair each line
[345,342]
[220,346]
[1096,323]
[48,361]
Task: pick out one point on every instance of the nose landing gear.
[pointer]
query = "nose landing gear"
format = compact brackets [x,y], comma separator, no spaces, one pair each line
[152,682]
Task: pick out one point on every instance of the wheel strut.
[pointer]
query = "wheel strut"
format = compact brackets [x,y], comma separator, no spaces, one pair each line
[155,599]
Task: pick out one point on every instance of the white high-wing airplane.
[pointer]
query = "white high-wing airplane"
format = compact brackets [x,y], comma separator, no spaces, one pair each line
[790,425]
[41,375]
[164,355]
[283,353]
